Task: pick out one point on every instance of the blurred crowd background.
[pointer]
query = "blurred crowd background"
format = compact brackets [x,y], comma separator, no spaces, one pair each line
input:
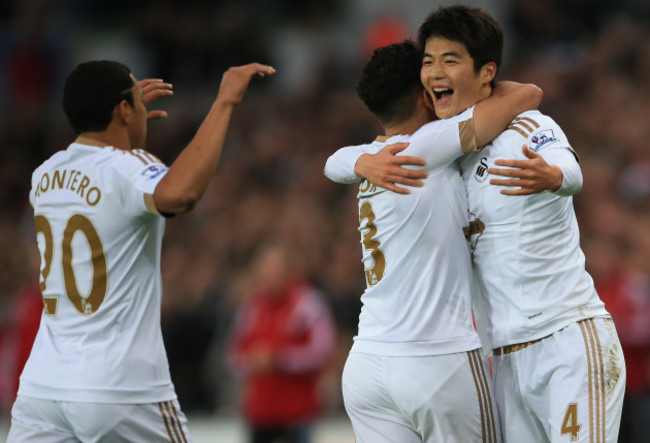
[591,58]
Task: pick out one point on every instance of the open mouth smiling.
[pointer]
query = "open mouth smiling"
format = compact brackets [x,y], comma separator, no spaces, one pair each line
[442,94]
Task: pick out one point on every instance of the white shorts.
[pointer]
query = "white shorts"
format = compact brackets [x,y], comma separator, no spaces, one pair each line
[46,421]
[420,399]
[568,387]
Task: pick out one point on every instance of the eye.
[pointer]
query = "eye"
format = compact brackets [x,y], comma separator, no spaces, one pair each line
[451,62]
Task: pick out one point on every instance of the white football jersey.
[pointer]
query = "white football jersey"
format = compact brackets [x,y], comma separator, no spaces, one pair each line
[100,241]
[528,261]
[415,254]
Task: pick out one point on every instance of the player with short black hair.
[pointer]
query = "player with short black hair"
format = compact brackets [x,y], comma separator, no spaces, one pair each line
[91,92]
[98,369]
[475,28]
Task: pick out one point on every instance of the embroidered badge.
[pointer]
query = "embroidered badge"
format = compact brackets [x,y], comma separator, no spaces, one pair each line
[542,138]
[481,170]
[154,171]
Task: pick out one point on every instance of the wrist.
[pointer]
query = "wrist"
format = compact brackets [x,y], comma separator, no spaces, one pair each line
[358,166]
[557,183]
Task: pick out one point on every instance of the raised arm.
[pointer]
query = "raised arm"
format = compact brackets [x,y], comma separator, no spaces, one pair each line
[190,173]
[509,99]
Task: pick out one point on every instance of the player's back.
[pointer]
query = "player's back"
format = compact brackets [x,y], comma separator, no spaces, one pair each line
[99,338]
[417,266]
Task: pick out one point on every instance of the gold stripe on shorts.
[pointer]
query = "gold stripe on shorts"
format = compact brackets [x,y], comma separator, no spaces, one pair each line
[488,424]
[596,381]
[163,412]
[172,423]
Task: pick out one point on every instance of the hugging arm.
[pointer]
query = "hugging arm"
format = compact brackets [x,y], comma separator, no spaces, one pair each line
[558,171]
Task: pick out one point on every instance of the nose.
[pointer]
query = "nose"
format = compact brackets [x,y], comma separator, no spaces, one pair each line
[436,71]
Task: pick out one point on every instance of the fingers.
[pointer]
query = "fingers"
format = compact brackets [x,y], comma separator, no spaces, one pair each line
[529,152]
[258,70]
[410,174]
[504,182]
[236,79]
[522,191]
[264,70]
[156,115]
[153,89]
[513,163]
[397,189]
[518,173]
[409,160]
[396,147]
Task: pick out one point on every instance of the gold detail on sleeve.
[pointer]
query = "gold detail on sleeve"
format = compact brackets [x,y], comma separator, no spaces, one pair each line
[529,120]
[150,203]
[518,130]
[523,125]
[467,134]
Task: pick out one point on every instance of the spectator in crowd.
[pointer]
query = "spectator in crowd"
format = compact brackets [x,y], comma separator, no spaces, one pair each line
[281,341]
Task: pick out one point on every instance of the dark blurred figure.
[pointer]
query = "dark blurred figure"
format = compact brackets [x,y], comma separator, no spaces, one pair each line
[625,289]
[281,341]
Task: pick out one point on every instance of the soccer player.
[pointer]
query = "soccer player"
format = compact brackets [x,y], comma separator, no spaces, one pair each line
[558,365]
[98,369]
[416,372]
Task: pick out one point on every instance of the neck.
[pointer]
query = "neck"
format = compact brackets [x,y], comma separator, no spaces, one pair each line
[419,118]
[103,139]
[407,128]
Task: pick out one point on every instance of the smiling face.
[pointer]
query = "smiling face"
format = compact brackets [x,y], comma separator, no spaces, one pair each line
[450,78]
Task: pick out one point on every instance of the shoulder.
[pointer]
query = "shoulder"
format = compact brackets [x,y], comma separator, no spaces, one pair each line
[371,148]
[537,130]
[136,164]
[443,124]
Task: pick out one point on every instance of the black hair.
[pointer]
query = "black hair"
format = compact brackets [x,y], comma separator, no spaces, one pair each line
[91,92]
[390,82]
[476,28]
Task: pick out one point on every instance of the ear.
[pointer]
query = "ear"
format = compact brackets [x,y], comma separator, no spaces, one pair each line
[123,112]
[488,72]
[427,100]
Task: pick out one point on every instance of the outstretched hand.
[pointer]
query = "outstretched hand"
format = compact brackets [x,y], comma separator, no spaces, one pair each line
[152,89]
[385,169]
[531,176]
[236,79]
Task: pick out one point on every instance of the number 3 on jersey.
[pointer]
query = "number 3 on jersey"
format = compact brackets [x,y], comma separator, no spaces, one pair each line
[376,273]
[85,305]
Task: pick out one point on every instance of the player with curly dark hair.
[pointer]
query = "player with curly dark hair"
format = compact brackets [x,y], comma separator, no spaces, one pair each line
[416,371]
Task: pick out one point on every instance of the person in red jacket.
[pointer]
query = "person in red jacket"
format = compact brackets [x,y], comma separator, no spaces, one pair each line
[281,340]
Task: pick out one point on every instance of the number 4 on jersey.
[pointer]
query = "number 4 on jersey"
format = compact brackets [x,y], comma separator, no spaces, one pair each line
[570,423]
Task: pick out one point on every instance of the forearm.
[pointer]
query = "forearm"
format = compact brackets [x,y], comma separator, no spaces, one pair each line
[340,166]
[509,99]
[190,173]
[566,161]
